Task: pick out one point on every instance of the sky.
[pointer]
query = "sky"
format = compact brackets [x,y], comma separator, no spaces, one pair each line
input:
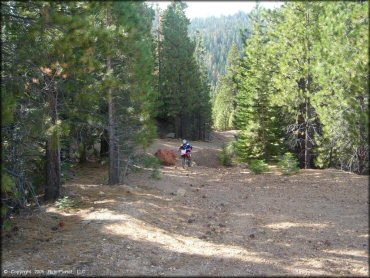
[210,8]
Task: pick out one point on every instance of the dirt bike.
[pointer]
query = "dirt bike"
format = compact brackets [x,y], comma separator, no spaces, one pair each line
[186,158]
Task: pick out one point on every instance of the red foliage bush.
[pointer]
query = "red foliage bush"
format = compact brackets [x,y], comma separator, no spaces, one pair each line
[167,157]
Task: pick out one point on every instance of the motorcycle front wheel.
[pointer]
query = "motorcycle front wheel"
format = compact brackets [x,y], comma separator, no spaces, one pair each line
[189,161]
[186,161]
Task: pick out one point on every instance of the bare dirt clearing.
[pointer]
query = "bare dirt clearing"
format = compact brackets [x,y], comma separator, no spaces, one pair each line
[200,221]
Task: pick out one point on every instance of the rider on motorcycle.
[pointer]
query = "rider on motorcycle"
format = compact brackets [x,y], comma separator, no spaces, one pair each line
[185,148]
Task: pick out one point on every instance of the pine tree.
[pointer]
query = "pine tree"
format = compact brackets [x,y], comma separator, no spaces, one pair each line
[257,120]
[296,81]
[125,41]
[176,52]
[183,90]
[55,93]
[226,91]
[46,52]
[342,73]
[201,103]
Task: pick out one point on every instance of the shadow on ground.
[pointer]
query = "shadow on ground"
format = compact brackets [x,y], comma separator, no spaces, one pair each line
[225,221]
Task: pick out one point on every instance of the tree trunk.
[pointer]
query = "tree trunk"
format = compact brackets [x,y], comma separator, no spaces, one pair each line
[82,153]
[331,157]
[182,127]
[178,127]
[52,188]
[200,127]
[113,154]
[307,146]
[361,151]
[264,136]
[114,171]
[308,135]
[53,167]
[104,146]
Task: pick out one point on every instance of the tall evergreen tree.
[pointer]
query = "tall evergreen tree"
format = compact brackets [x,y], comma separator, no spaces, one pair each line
[225,97]
[54,95]
[341,101]
[45,59]
[296,82]
[180,83]
[201,102]
[176,52]
[256,118]
[125,52]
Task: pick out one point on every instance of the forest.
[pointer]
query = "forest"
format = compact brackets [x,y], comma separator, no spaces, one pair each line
[301,85]
[77,74]
[105,83]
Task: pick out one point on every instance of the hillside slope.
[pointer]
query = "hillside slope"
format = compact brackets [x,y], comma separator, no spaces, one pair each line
[218,34]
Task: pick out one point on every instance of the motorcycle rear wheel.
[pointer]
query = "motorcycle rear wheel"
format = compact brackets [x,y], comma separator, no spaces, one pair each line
[189,161]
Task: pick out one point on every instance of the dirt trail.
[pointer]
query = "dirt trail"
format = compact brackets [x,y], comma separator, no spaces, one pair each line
[200,221]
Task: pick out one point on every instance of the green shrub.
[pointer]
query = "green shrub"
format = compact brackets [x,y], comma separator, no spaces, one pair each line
[151,162]
[156,174]
[154,163]
[141,161]
[258,166]
[66,170]
[289,164]
[226,155]
[8,190]
[65,203]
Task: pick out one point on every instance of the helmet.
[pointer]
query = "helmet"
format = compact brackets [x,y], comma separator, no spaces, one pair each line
[184,141]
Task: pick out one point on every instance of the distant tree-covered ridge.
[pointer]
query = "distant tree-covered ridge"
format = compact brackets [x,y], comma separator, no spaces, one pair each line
[218,35]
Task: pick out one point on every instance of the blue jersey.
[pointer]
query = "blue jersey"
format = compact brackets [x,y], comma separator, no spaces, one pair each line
[186,147]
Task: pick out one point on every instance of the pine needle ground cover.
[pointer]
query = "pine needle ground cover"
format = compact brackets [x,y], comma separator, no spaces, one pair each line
[199,221]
